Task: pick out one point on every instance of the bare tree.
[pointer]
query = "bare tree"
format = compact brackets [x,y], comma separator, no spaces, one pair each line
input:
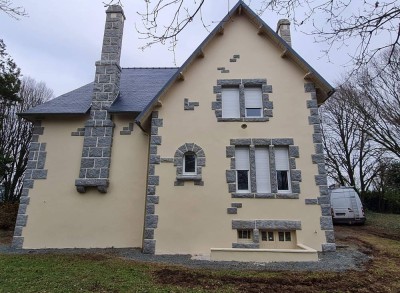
[11,10]
[340,23]
[378,106]
[335,23]
[16,134]
[351,156]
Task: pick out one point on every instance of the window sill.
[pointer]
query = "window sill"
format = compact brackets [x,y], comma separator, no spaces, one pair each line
[266,195]
[188,177]
[243,119]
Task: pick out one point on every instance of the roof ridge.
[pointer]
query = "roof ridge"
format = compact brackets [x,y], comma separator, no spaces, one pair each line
[150,67]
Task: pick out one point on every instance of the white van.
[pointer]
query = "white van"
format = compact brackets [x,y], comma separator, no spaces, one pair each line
[346,206]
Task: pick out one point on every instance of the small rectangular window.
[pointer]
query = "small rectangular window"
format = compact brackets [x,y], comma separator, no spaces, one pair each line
[288,236]
[267,236]
[244,234]
[281,236]
[189,163]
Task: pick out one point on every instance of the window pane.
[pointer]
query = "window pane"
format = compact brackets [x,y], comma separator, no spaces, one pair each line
[281,236]
[264,236]
[253,112]
[288,236]
[242,161]
[244,234]
[282,177]
[242,179]
[270,236]
[190,163]
[253,97]
[230,103]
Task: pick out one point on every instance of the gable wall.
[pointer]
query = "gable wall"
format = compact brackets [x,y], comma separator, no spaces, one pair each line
[193,219]
[59,216]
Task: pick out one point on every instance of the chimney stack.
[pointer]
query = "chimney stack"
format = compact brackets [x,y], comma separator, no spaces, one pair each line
[96,153]
[283,30]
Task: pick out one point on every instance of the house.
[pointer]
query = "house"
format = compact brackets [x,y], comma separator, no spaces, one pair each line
[221,157]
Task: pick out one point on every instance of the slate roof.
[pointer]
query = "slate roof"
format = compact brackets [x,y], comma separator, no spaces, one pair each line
[138,87]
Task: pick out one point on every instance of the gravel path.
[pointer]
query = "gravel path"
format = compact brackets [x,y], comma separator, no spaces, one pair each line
[343,259]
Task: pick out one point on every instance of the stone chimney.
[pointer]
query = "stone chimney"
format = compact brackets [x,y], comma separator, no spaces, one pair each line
[283,30]
[96,153]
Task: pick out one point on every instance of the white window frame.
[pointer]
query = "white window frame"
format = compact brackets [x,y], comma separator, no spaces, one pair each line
[184,164]
[248,239]
[248,97]
[287,169]
[248,170]
[233,102]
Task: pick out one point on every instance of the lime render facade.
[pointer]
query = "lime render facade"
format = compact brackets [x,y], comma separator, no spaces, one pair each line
[221,157]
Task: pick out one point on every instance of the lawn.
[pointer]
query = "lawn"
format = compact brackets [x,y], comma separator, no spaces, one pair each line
[108,273]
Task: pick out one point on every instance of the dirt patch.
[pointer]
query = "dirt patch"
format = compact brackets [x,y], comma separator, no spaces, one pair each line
[379,274]
[6,237]
[285,282]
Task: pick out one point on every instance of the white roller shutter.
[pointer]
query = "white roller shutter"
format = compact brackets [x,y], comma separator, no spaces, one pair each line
[242,158]
[263,178]
[281,158]
[253,97]
[230,103]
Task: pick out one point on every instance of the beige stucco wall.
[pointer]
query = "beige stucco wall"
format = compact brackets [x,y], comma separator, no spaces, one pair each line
[59,216]
[193,219]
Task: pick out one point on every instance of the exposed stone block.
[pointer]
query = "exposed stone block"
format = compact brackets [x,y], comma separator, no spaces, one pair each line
[264,195]
[154,199]
[243,224]
[330,236]
[287,195]
[261,141]
[320,180]
[241,141]
[21,220]
[230,176]
[278,224]
[236,205]
[151,221]
[246,245]
[231,210]
[328,247]
[294,151]
[149,246]
[17,242]
[240,195]
[326,223]
[311,201]
[295,175]
[39,174]
[282,141]
[148,234]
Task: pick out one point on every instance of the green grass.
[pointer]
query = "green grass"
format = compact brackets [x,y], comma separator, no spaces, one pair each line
[74,273]
[390,223]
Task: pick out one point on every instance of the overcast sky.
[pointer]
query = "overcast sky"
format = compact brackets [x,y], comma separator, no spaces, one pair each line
[59,41]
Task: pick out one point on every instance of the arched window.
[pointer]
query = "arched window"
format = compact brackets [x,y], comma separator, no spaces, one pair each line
[189,160]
